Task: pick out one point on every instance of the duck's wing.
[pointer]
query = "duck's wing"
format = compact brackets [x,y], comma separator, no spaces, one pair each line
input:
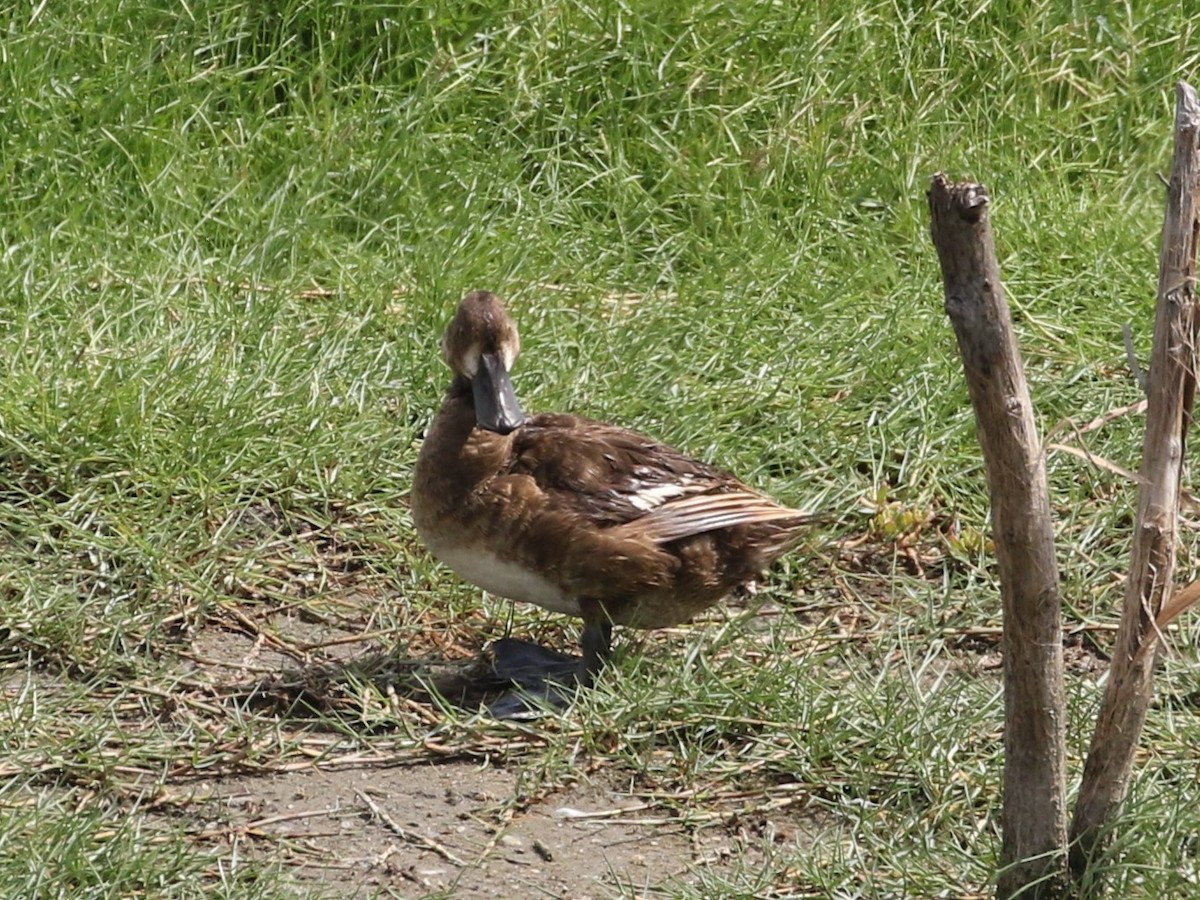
[697,514]
[638,487]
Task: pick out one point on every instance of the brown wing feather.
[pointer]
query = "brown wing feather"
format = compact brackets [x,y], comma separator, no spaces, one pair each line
[638,488]
[709,512]
[610,475]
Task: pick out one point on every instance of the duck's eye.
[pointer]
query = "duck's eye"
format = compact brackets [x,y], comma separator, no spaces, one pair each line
[468,361]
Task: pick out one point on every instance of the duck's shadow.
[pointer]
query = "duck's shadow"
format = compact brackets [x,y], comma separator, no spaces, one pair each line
[375,689]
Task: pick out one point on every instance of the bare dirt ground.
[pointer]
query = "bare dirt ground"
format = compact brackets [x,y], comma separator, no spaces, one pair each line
[409,825]
[447,829]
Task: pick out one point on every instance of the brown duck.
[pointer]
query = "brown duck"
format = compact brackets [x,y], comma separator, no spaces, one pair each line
[577,516]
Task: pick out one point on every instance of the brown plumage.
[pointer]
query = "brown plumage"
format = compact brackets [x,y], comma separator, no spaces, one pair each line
[575,515]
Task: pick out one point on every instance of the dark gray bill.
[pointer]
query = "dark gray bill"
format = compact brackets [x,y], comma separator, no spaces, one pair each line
[496,405]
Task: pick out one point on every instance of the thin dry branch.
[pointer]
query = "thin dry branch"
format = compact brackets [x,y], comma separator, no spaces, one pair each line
[1129,691]
[1034,813]
[1181,601]
[404,834]
[1098,461]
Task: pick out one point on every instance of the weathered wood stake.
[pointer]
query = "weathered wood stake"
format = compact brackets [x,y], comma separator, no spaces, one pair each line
[1172,388]
[1033,820]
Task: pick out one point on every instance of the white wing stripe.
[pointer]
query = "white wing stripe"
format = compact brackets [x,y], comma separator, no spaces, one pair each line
[709,512]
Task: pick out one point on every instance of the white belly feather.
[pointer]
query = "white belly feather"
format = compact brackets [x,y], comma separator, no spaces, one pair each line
[506,579]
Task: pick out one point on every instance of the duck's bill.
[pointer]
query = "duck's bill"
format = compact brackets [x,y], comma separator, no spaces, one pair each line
[496,405]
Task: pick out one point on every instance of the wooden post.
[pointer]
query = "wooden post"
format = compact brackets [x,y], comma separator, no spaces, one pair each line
[1172,388]
[1033,820]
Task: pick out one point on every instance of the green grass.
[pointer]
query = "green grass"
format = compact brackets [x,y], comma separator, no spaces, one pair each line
[232,233]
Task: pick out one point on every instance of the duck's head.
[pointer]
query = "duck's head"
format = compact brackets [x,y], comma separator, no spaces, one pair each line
[481,345]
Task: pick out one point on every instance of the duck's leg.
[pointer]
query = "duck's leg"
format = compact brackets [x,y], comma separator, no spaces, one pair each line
[597,648]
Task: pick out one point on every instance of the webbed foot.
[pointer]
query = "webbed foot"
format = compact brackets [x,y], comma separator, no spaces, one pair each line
[544,680]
